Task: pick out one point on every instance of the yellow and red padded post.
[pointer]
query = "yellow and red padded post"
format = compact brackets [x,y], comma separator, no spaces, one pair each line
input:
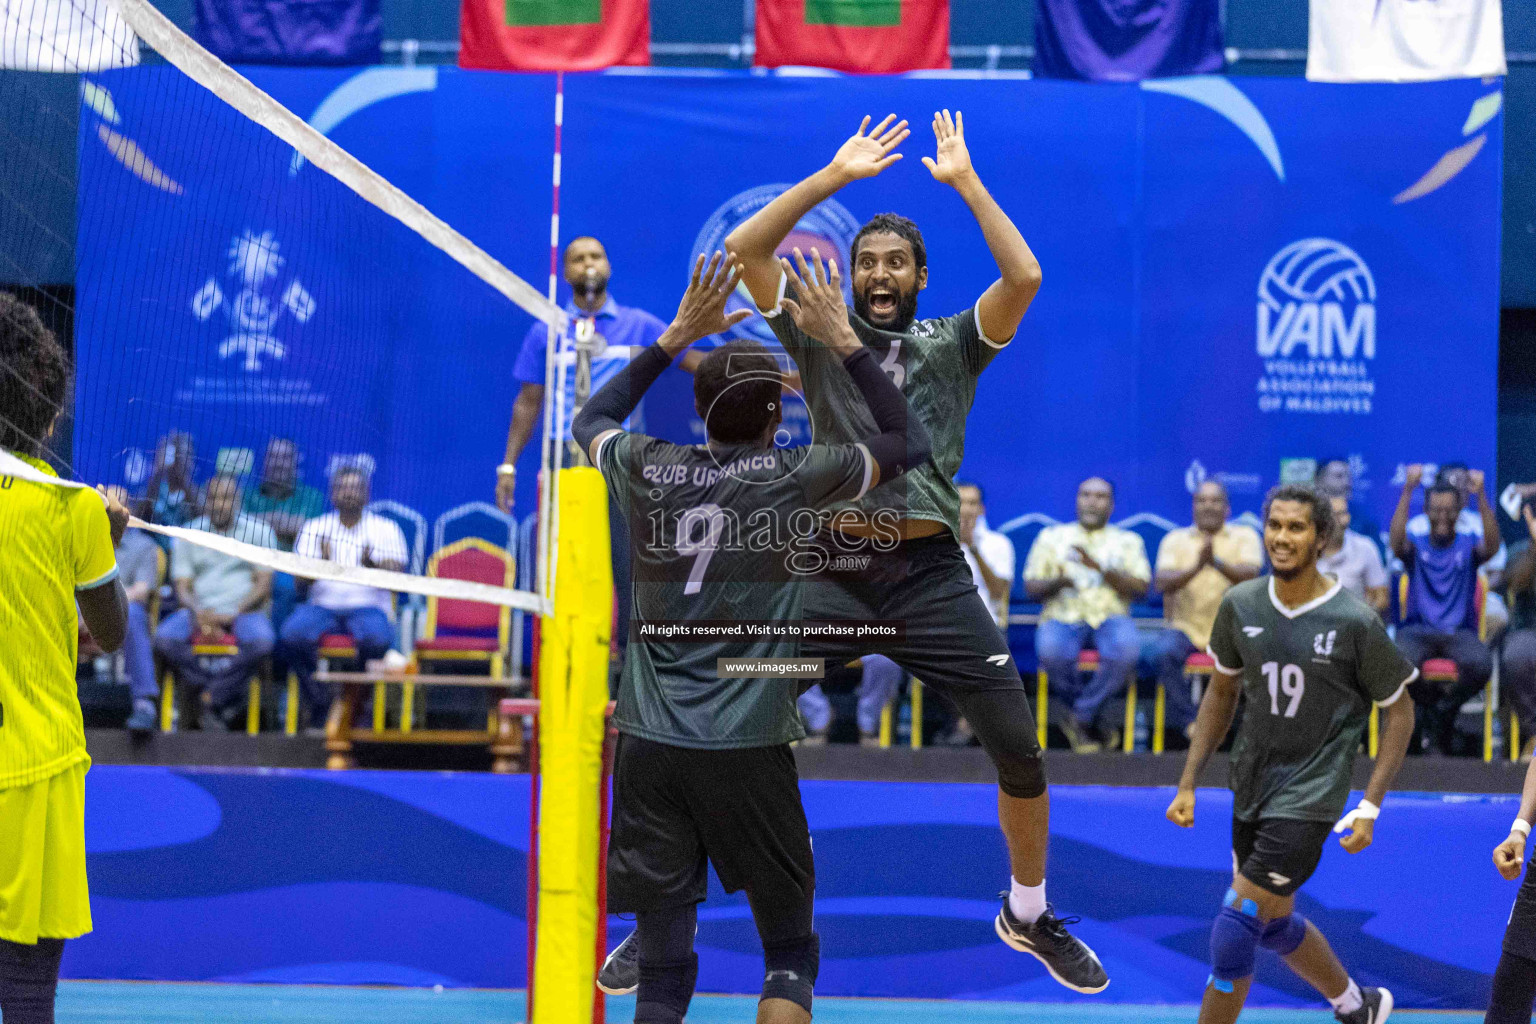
[574,646]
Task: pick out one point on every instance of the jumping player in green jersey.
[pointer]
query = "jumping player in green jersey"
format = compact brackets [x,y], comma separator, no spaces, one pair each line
[908,531]
[703,771]
[1310,659]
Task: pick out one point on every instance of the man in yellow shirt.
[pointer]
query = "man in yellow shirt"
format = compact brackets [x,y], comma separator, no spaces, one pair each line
[1195,567]
[56,549]
[1086,575]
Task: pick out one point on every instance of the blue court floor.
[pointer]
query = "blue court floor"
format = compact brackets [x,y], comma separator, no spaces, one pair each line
[103,1002]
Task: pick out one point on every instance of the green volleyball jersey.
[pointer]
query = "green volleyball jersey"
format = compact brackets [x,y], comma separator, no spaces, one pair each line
[1309,676]
[935,364]
[719,538]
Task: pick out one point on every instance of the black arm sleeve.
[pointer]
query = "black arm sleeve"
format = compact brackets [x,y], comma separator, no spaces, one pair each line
[903,440]
[611,406]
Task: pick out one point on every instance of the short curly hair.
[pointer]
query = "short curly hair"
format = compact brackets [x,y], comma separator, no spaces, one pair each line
[1305,494]
[892,224]
[34,373]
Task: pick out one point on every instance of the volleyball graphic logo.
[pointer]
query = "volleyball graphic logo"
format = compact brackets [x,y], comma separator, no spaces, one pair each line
[829,228]
[1319,296]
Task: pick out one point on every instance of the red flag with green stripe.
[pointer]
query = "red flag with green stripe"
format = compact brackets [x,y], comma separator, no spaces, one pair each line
[553,35]
[870,36]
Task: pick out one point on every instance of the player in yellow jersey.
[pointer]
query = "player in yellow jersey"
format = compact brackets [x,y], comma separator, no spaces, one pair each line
[56,542]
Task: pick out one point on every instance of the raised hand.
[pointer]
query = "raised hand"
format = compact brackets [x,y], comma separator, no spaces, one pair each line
[1475,480]
[702,309]
[866,155]
[818,307]
[952,161]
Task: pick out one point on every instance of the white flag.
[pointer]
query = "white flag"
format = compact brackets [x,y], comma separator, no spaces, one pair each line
[1404,40]
[65,35]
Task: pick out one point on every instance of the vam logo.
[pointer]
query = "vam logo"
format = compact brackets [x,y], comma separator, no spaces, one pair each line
[1317,295]
[1323,642]
[259,303]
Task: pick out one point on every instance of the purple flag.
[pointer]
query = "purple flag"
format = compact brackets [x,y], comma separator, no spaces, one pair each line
[290,31]
[1127,40]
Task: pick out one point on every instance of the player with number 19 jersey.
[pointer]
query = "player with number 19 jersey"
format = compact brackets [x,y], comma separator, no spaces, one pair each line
[1309,677]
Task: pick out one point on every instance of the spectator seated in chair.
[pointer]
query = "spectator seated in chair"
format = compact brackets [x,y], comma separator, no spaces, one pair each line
[1195,566]
[349,536]
[1354,560]
[221,597]
[138,566]
[1086,574]
[1440,615]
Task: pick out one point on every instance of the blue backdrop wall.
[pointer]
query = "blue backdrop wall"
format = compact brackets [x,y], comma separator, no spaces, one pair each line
[1237,271]
[419,879]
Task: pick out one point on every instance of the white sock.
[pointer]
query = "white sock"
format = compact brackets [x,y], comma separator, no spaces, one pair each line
[1350,1001]
[1026,901]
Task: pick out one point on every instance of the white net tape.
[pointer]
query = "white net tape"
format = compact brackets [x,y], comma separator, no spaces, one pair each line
[308,568]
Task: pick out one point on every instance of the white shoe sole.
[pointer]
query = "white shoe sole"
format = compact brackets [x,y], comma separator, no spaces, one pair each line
[1007,937]
[605,988]
[1386,1006]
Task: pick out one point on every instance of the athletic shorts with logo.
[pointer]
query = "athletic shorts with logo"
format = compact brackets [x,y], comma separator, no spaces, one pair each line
[43,888]
[1278,854]
[951,640]
[678,809]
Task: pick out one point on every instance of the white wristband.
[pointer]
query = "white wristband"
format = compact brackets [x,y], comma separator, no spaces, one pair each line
[1367,810]
[1522,826]
[506,469]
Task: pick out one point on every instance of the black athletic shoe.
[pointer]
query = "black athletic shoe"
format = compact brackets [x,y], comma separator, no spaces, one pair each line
[621,971]
[1375,1008]
[1068,959]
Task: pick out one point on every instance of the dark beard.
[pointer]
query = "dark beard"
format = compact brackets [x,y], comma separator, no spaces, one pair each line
[598,285]
[906,312]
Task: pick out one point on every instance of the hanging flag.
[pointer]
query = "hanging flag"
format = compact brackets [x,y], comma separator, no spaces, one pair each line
[1404,40]
[290,31]
[553,35]
[869,36]
[1127,40]
[65,35]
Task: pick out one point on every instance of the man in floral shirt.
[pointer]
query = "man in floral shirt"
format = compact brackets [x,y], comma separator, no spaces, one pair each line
[1086,574]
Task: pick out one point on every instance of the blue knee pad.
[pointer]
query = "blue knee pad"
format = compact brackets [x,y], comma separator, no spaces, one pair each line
[1284,934]
[1234,941]
[791,970]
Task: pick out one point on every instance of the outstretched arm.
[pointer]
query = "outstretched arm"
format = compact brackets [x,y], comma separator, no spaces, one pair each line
[864,155]
[1002,306]
[700,314]
[1397,534]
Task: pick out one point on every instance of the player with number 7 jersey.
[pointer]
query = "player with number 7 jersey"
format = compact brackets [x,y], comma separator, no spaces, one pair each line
[703,771]
[1309,660]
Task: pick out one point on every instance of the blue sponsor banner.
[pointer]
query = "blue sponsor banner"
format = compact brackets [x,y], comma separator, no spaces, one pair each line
[1238,272]
[419,879]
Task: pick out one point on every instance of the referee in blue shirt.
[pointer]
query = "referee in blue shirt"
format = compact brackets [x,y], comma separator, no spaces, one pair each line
[622,332]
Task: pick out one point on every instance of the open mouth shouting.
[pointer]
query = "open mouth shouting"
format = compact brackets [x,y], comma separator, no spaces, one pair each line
[883,303]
